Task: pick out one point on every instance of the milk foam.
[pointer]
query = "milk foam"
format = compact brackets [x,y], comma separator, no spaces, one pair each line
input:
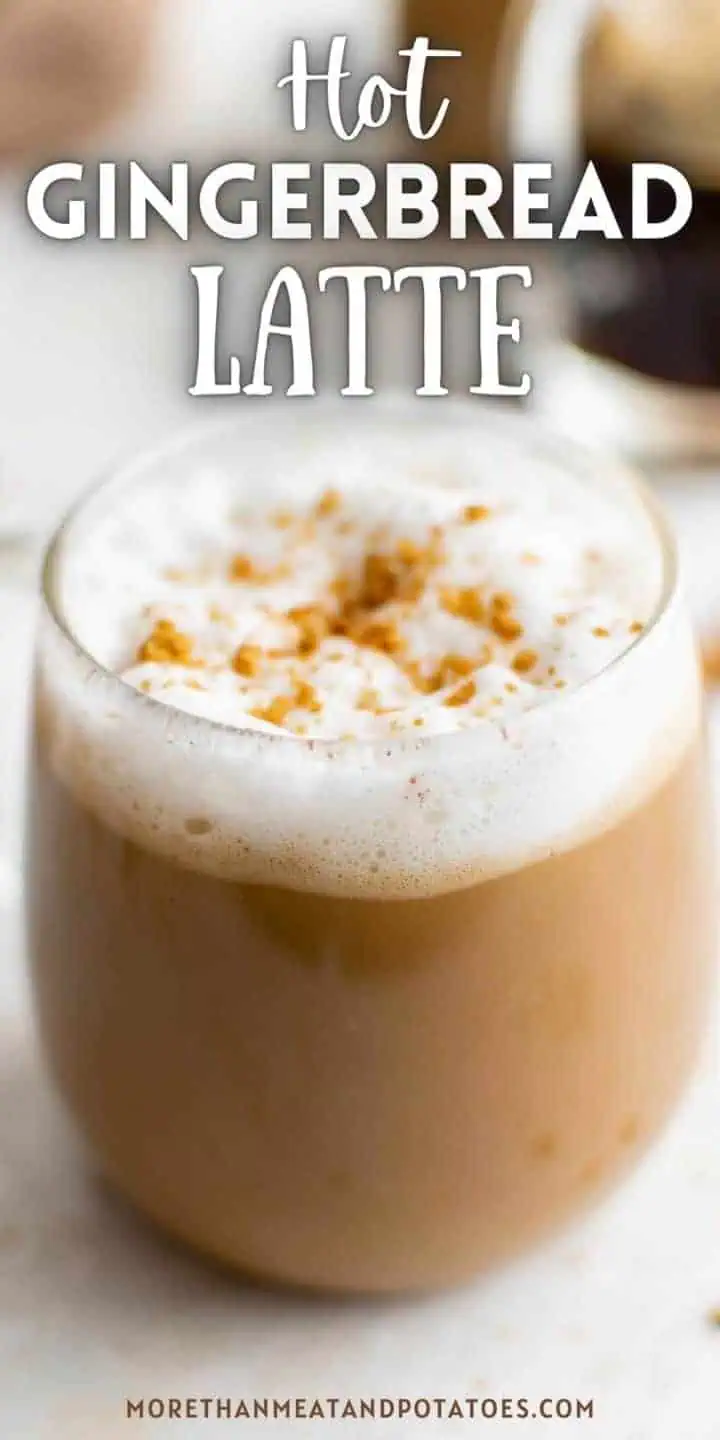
[520,770]
[578,577]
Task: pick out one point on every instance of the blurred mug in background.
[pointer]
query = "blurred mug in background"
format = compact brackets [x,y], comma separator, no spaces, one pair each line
[477,28]
[633,354]
[66,68]
[619,82]
[651,91]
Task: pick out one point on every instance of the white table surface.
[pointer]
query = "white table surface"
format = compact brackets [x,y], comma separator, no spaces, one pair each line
[94,1307]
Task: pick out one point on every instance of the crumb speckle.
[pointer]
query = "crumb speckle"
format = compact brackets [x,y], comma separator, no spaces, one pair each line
[327,615]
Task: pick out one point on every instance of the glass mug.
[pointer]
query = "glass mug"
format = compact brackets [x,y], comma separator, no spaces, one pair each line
[614,81]
[469,132]
[386,1081]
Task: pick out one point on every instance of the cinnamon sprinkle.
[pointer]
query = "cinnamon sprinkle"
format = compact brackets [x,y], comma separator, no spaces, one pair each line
[328,504]
[465,602]
[247,660]
[525,661]
[463,695]
[242,568]
[379,635]
[165,645]
[502,622]
[401,576]
[711,663]
[314,626]
[306,698]
[277,711]
[368,603]
[505,627]
[451,667]
[369,700]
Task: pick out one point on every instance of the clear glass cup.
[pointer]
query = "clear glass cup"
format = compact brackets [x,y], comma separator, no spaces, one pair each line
[369,1017]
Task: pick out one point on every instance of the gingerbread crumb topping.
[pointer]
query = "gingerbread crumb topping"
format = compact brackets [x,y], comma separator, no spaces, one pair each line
[167,645]
[525,661]
[463,695]
[368,604]
[247,660]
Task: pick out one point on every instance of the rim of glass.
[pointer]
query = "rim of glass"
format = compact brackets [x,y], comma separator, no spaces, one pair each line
[525,430]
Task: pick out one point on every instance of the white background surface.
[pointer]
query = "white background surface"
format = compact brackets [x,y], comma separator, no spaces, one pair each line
[94,1308]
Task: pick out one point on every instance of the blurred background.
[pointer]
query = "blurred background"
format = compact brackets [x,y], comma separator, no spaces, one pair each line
[95,339]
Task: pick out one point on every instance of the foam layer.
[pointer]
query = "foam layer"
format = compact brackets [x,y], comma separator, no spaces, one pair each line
[362,593]
[512,771]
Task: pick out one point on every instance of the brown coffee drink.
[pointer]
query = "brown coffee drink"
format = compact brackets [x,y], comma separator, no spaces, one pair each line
[371,899]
